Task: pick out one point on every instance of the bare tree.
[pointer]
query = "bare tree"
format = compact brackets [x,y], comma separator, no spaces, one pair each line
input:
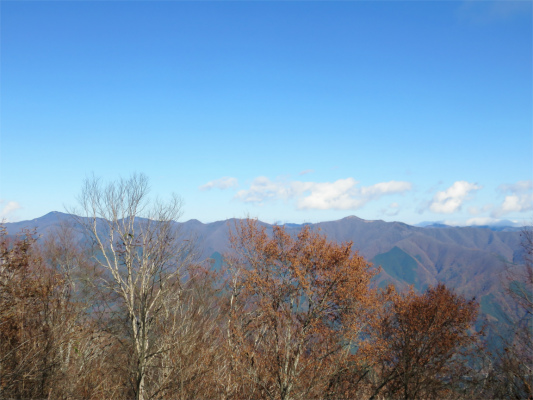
[89,355]
[520,277]
[512,372]
[143,254]
[191,368]
[39,322]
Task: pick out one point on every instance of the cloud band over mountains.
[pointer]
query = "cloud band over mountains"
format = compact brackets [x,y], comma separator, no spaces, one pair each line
[450,200]
[347,194]
[342,194]
[519,198]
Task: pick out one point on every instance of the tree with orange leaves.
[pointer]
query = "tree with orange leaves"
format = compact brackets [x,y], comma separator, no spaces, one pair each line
[297,306]
[422,343]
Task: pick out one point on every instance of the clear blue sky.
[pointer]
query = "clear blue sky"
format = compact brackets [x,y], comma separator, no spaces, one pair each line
[285,111]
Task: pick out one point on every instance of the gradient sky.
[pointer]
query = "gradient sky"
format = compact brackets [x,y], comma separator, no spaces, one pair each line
[285,111]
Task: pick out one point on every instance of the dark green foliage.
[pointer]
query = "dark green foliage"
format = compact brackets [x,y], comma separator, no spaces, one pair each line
[398,264]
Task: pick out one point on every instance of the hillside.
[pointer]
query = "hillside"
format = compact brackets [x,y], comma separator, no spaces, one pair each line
[470,260]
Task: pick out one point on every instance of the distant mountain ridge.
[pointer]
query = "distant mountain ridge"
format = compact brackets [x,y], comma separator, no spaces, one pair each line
[469,259]
[503,225]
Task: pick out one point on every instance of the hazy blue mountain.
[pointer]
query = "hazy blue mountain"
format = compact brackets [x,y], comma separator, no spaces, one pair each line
[503,225]
[469,259]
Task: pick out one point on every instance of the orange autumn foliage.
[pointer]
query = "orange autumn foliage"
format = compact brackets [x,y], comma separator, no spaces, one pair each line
[421,343]
[297,307]
[298,319]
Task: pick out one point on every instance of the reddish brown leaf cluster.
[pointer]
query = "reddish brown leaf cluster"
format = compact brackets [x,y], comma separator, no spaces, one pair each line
[297,305]
[422,342]
[288,317]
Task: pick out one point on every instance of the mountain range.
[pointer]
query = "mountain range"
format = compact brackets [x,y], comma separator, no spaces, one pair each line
[471,260]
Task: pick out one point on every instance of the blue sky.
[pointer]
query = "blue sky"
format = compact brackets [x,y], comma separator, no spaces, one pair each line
[285,111]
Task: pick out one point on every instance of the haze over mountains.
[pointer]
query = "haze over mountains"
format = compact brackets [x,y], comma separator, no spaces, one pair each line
[469,259]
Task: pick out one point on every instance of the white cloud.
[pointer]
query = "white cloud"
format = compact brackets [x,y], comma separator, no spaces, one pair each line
[392,210]
[518,187]
[477,210]
[8,209]
[222,183]
[337,195]
[307,171]
[473,210]
[517,203]
[262,189]
[342,194]
[483,221]
[520,198]
[477,221]
[450,200]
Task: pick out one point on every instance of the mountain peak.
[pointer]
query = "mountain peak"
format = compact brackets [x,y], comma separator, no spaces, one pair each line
[54,213]
[354,217]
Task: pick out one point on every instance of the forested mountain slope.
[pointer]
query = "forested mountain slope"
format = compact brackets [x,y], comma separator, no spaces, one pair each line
[469,259]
